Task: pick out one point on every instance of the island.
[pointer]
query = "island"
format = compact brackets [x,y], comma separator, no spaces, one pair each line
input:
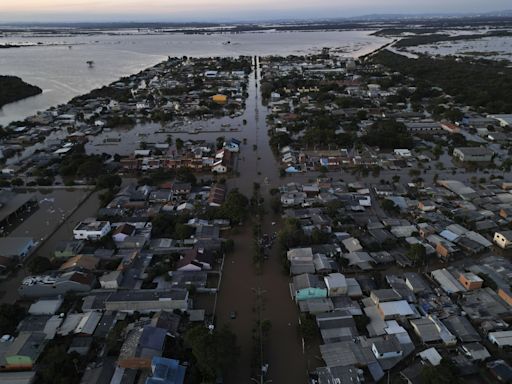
[12,89]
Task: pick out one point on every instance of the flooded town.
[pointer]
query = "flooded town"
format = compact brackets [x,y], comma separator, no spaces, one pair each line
[314,217]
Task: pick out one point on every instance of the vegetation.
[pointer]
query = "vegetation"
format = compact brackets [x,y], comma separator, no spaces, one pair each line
[39,264]
[490,87]
[10,316]
[214,352]
[388,134]
[436,38]
[12,89]
[446,372]
[58,366]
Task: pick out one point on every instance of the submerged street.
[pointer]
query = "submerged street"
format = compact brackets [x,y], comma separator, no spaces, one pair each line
[240,277]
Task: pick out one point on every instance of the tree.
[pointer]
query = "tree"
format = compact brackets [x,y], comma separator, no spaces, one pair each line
[108,181]
[179,144]
[308,328]
[444,373]
[59,367]
[417,253]
[214,352]
[389,206]
[10,316]
[39,264]
[183,231]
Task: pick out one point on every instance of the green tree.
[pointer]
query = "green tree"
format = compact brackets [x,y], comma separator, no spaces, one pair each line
[308,328]
[59,367]
[10,316]
[39,264]
[417,253]
[179,144]
[108,181]
[444,373]
[215,352]
[389,206]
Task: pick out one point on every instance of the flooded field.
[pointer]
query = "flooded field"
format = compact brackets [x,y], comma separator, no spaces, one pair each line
[495,48]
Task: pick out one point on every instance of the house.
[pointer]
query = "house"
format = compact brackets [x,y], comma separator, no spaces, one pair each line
[67,249]
[426,206]
[473,154]
[141,346]
[308,286]
[336,284]
[503,239]
[506,295]
[500,370]
[91,230]
[431,330]
[470,281]
[45,307]
[51,286]
[80,262]
[336,326]
[339,374]
[122,232]
[387,348]
[166,371]
[217,195]
[111,280]
[143,301]
[392,310]
[501,338]
[475,351]
[15,248]
[22,353]
[196,259]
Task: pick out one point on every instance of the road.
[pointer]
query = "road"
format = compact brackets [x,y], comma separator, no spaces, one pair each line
[283,350]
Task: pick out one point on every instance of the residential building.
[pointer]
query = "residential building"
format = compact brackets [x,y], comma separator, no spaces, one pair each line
[166,371]
[470,281]
[91,230]
[503,239]
[473,154]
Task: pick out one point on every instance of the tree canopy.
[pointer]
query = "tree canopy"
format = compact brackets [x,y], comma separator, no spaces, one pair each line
[214,352]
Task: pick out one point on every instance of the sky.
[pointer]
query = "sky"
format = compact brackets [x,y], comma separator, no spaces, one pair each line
[226,10]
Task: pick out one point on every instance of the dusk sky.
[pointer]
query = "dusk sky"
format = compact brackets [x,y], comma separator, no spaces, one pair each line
[213,10]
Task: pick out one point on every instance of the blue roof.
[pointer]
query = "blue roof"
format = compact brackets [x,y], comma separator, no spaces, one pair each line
[152,338]
[291,170]
[324,161]
[166,371]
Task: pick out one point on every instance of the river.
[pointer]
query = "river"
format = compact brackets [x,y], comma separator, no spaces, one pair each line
[58,64]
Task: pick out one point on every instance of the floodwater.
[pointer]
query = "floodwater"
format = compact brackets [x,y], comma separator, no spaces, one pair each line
[283,350]
[58,66]
[53,221]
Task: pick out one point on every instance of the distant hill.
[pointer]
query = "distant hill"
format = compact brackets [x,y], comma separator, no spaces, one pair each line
[13,89]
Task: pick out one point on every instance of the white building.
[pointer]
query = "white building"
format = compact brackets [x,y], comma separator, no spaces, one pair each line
[503,239]
[93,230]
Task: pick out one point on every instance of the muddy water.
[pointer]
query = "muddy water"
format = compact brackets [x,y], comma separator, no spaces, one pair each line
[283,351]
[54,207]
